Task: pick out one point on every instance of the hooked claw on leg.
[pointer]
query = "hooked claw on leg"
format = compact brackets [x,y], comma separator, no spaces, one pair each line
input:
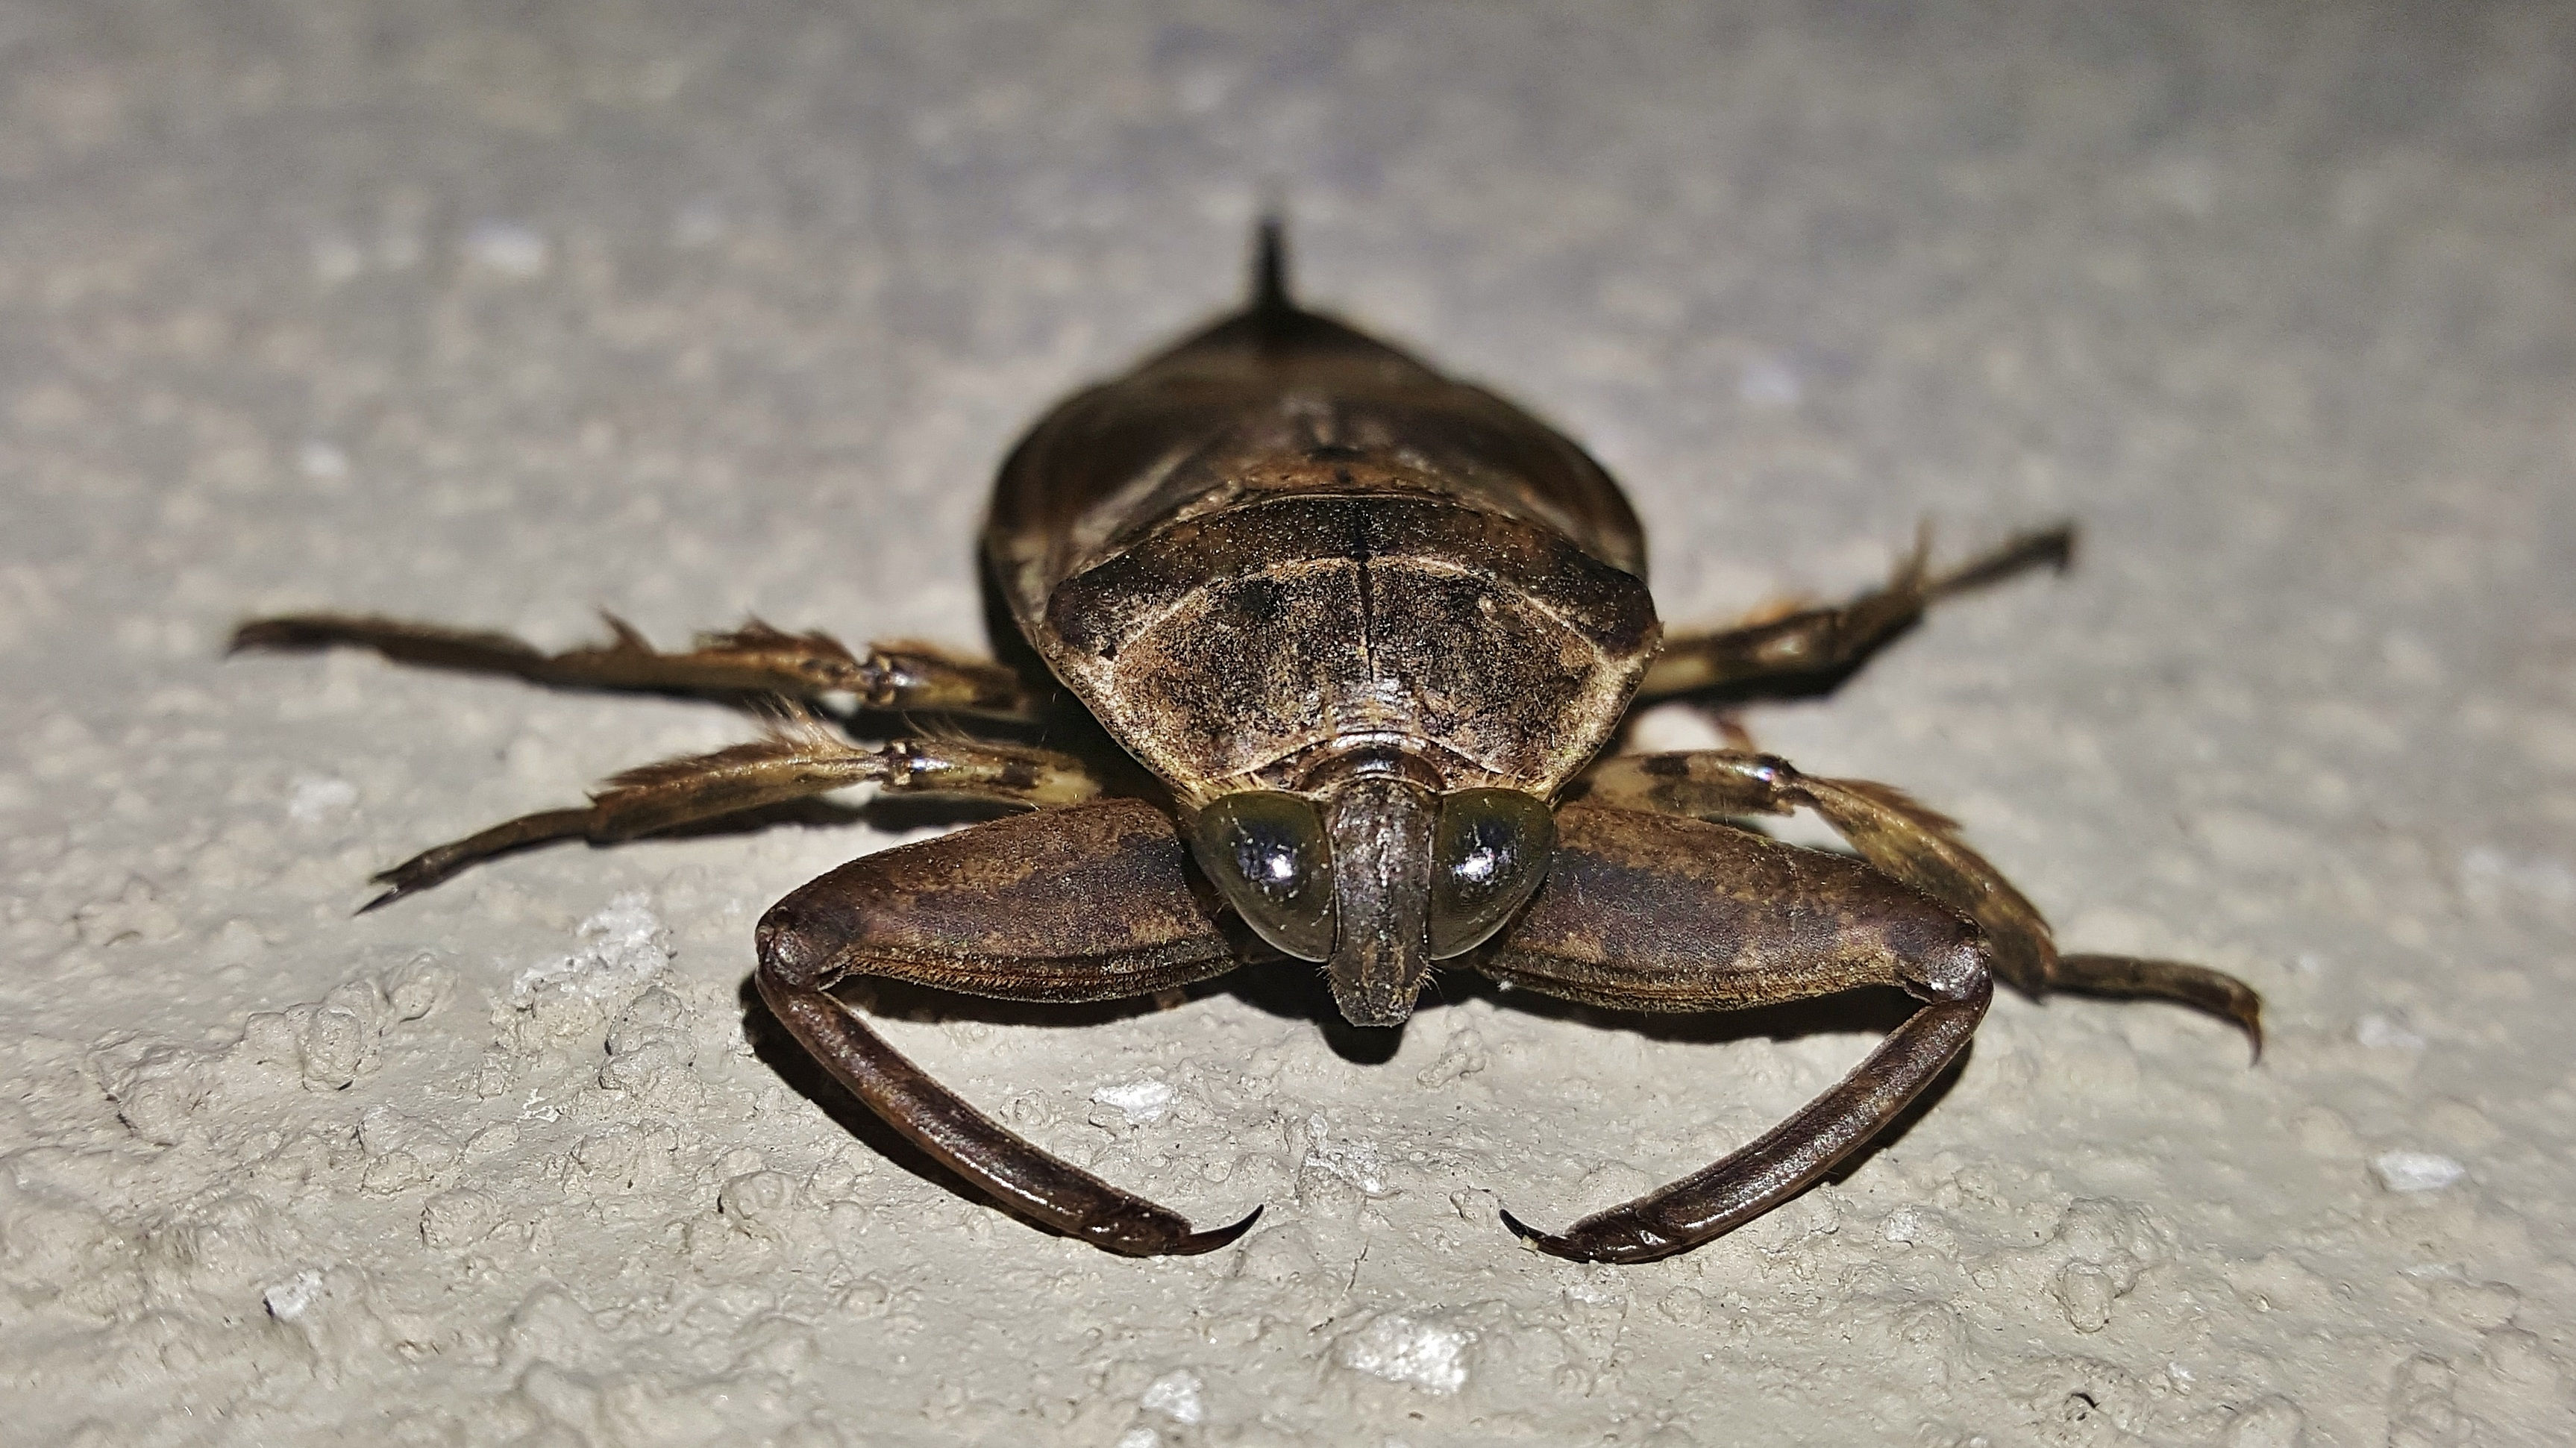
[1616,1235]
[1208,1241]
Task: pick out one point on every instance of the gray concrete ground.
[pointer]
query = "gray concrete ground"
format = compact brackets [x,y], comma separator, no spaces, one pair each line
[499,313]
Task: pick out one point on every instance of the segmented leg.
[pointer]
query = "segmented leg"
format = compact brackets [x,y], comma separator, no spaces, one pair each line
[753,659]
[1819,643]
[1922,848]
[798,759]
[1659,913]
[1091,902]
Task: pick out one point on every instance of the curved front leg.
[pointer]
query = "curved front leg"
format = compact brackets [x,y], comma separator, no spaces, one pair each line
[1085,903]
[1659,913]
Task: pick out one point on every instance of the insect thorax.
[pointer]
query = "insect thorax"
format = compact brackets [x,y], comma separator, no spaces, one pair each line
[1232,648]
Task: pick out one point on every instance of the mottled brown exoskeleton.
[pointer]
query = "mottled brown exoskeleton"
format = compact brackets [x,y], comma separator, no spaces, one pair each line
[1370,629]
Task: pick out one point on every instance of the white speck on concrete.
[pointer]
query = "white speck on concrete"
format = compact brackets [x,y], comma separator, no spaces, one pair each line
[2416,1171]
[2189,184]
[702,222]
[1143,1100]
[288,1300]
[321,461]
[1428,1355]
[336,259]
[315,798]
[508,248]
[1592,1292]
[625,946]
[1355,1162]
[1904,1226]
[1769,384]
[2489,876]
[2385,1033]
[1175,1395]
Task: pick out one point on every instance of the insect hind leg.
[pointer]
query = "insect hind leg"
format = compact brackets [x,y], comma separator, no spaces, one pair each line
[799,758]
[1812,647]
[1922,848]
[753,660]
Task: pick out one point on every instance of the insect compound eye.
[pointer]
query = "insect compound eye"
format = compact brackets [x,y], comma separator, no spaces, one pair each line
[1267,854]
[1488,853]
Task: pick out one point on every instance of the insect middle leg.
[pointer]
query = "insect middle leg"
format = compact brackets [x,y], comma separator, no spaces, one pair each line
[1922,848]
[1088,903]
[799,759]
[753,659]
[1813,644]
[1657,913]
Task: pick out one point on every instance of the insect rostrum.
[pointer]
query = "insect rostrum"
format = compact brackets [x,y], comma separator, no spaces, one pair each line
[1370,629]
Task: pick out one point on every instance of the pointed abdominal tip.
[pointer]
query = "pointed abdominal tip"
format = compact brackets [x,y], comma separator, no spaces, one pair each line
[1270,263]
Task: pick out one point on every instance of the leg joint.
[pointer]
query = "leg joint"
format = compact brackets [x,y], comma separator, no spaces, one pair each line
[1960,971]
[790,954]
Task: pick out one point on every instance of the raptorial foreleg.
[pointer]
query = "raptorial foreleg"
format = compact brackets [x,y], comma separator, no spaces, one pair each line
[1093,902]
[1657,913]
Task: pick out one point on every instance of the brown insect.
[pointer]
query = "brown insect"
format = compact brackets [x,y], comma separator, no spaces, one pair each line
[1369,630]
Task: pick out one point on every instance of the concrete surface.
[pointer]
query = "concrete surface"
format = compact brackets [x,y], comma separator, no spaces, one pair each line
[496,313]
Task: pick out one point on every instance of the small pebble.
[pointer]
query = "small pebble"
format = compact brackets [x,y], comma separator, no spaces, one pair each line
[1427,1355]
[1140,1101]
[289,1300]
[315,798]
[2416,1171]
[1175,1395]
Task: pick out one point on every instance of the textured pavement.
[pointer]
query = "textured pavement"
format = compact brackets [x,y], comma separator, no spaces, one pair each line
[500,314]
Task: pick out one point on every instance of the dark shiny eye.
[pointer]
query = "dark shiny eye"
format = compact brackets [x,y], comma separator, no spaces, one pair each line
[1267,854]
[1489,852]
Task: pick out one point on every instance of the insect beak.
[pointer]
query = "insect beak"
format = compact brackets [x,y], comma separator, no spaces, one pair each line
[1381,831]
